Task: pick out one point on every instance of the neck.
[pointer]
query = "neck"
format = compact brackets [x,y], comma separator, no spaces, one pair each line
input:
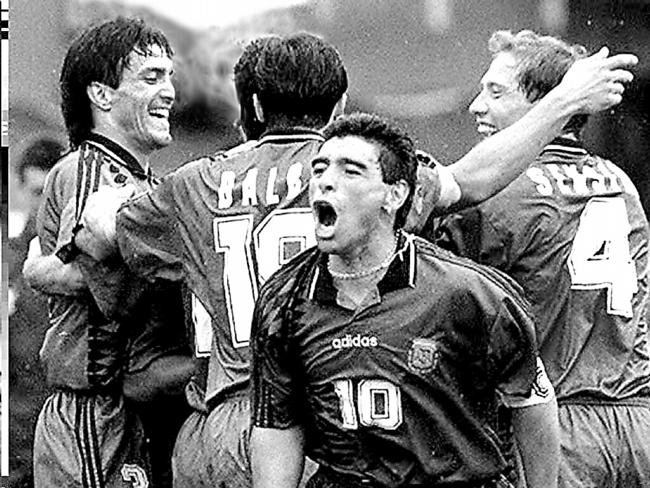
[372,258]
[142,155]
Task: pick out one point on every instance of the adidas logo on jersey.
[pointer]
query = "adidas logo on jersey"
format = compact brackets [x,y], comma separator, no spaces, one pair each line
[354,341]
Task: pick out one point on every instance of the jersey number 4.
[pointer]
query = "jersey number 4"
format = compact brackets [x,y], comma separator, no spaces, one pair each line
[277,239]
[600,254]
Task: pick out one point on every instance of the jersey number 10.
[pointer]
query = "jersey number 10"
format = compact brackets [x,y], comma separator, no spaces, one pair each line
[378,404]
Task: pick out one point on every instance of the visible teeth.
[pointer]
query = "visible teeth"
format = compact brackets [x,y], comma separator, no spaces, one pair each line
[160,112]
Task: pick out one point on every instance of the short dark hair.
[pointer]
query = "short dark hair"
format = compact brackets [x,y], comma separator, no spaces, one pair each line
[100,54]
[300,79]
[246,85]
[41,154]
[397,157]
[542,62]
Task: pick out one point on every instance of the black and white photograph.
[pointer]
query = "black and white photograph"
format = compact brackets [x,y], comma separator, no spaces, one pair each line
[325,244]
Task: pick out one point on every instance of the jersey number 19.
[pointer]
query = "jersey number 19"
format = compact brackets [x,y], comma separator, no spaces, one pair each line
[278,238]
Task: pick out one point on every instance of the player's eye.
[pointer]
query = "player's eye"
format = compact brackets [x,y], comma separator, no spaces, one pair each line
[318,169]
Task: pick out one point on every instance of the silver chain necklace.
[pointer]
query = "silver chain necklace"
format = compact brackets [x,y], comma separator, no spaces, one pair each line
[367,272]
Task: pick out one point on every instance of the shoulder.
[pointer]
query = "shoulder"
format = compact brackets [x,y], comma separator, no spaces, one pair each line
[461,275]
[192,167]
[291,278]
[65,168]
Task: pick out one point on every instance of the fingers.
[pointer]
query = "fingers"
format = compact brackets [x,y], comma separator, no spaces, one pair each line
[621,76]
[621,61]
[602,54]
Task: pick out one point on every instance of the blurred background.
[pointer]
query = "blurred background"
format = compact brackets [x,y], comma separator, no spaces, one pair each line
[417,61]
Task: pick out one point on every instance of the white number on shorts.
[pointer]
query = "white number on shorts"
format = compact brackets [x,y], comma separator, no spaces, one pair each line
[379,404]
[600,254]
[277,239]
[135,475]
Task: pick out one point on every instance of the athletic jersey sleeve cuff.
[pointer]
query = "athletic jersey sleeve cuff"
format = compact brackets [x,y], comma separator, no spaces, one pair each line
[541,392]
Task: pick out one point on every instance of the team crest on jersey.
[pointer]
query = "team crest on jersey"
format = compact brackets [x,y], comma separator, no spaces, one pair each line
[423,355]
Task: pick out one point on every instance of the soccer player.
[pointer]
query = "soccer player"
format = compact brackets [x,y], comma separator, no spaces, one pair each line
[116,95]
[27,312]
[225,223]
[573,233]
[378,354]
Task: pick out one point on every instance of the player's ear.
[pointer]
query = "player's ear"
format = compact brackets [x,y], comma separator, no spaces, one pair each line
[100,95]
[339,107]
[396,196]
[259,111]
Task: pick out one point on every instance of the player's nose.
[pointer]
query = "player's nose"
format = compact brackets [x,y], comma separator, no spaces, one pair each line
[478,105]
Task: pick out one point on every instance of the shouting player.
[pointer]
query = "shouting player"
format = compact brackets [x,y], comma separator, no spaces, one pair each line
[379,355]
[573,233]
[225,223]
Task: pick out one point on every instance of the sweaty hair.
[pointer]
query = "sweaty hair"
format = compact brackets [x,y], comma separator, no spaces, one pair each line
[246,85]
[100,54]
[542,62]
[300,79]
[41,154]
[397,157]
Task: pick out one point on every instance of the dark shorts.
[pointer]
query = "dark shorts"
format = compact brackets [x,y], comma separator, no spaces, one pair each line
[605,445]
[89,441]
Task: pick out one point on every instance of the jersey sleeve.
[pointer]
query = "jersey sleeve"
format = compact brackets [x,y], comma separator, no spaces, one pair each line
[147,233]
[470,234]
[275,398]
[48,219]
[541,392]
[512,349]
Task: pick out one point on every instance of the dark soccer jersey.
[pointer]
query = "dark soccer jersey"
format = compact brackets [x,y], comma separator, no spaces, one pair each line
[84,350]
[225,224]
[403,391]
[572,232]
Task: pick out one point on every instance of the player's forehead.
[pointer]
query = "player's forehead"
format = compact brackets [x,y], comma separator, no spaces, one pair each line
[349,147]
[502,71]
[153,58]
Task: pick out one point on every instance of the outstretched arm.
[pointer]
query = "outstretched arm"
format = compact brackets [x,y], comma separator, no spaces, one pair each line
[591,85]
[277,457]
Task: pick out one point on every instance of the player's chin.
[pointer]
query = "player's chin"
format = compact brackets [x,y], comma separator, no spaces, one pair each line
[326,244]
[160,139]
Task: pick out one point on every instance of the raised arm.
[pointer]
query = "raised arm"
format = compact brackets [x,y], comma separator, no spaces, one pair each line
[591,85]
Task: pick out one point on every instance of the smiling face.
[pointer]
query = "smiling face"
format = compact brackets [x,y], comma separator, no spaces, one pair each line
[142,101]
[349,198]
[501,102]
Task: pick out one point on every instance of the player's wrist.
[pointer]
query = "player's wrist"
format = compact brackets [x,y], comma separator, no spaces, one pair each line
[69,251]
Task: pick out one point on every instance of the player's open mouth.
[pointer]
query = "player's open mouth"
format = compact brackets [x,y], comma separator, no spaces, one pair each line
[162,113]
[325,213]
[485,128]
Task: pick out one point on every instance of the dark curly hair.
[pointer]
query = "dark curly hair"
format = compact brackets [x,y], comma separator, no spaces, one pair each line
[300,78]
[100,54]
[246,85]
[397,157]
